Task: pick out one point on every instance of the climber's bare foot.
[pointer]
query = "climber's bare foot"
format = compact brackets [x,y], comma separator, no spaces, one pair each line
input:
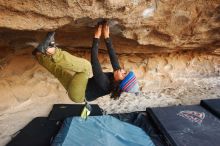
[105,30]
[98,31]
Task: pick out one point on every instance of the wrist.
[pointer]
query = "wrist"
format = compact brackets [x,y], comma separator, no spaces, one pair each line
[106,36]
[97,36]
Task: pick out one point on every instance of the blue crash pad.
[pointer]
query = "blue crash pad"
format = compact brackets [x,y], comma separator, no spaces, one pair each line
[100,131]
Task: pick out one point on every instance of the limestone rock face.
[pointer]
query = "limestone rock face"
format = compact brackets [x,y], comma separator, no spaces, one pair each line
[173,46]
[149,26]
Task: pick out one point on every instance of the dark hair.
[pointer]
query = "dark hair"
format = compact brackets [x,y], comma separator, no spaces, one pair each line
[116,91]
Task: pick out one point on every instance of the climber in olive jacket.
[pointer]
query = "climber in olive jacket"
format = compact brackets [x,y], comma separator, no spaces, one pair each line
[74,72]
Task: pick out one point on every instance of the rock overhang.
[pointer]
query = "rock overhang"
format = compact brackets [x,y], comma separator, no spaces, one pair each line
[137,26]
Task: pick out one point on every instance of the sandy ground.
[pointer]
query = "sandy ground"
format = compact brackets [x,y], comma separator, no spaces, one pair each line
[27,91]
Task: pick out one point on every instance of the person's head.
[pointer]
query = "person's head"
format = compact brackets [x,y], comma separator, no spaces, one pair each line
[125,82]
[120,74]
[129,83]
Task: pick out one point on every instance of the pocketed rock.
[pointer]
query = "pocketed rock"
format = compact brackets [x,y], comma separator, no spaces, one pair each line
[172,46]
[137,26]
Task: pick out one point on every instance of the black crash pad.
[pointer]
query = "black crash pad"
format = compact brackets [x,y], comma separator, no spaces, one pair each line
[187,125]
[213,105]
[141,119]
[62,111]
[39,132]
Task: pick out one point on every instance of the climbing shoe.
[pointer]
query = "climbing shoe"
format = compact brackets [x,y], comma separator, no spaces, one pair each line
[48,41]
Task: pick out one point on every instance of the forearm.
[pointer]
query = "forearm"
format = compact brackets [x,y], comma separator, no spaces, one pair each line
[96,67]
[112,54]
[98,74]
